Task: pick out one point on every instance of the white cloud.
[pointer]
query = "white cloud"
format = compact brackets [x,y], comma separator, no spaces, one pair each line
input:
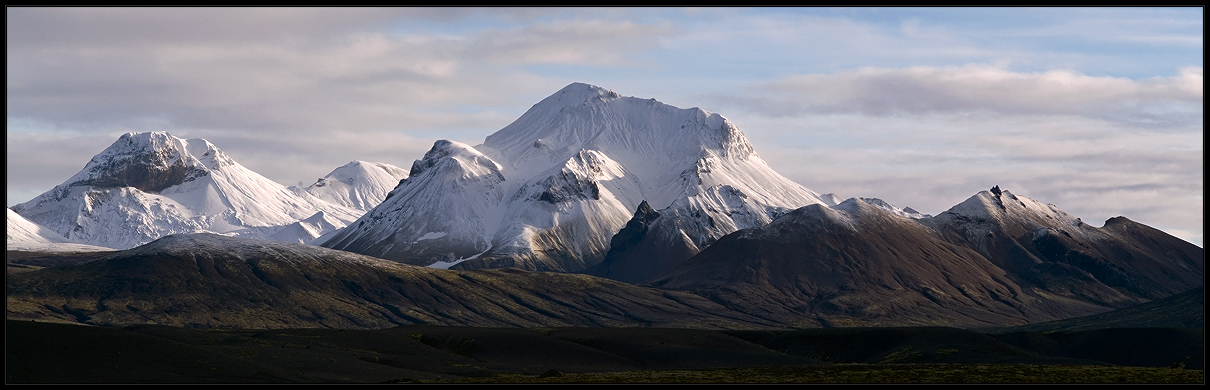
[929,137]
[979,88]
[580,42]
[336,77]
[1089,167]
[109,27]
[292,93]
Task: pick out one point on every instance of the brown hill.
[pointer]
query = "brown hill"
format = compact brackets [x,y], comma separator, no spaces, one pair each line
[212,281]
[994,259]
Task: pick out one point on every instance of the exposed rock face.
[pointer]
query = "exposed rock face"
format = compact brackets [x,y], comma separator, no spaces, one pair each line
[634,231]
[150,173]
[148,162]
[634,257]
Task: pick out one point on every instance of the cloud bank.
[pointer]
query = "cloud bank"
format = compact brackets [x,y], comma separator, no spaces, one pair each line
[983,88]
[1098,111]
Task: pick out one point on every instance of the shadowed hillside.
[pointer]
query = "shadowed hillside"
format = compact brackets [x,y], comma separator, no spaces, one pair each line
[212,281]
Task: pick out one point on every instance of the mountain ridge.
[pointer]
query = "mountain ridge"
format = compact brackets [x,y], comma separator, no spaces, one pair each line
[860,264]
[206,280]
[147,185]
[673,202]
[548,191]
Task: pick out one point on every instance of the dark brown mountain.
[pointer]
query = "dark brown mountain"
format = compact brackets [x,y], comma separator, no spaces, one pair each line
[994,259]
[212,281]
[1041,245]
[638,252]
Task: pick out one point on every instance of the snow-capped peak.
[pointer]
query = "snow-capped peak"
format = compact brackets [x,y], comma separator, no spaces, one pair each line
[656,142]
[850,204]
[991,212]
[359,184]
[450,152]
[146,185]
[999,204]
[149,162]
[579,93]
[551,188]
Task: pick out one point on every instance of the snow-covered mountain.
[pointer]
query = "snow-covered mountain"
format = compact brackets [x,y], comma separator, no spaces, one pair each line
[148,185]
[890,208]
[358,185]
[24,230]
[25,235]
[548,191]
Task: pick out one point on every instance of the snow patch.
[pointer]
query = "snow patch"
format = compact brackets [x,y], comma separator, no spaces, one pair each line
[448,264]
[431,235]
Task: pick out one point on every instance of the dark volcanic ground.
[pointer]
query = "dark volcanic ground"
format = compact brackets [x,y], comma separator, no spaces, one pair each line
[38,352]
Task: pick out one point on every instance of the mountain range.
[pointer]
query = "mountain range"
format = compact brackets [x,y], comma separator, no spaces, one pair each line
[632,212]
[148,185]
[996,258]
[548,191]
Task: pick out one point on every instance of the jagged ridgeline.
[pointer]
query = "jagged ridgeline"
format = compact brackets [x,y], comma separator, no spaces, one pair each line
[997,258]
[148,185]
[549,191]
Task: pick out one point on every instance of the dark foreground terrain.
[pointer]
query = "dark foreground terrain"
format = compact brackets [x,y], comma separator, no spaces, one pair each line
[37,352]
[876,373]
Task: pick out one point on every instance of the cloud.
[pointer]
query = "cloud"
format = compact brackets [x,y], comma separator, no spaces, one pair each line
[591,42]
[1091,168]
[30,170]
[285,69]
[109,27]
[289,92]
[982,88]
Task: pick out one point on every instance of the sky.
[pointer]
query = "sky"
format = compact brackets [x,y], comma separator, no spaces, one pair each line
[1098,111]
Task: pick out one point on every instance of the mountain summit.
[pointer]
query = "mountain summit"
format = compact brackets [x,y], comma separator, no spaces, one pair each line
[548,191]
[996,258]
[147,185]
[359,185]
